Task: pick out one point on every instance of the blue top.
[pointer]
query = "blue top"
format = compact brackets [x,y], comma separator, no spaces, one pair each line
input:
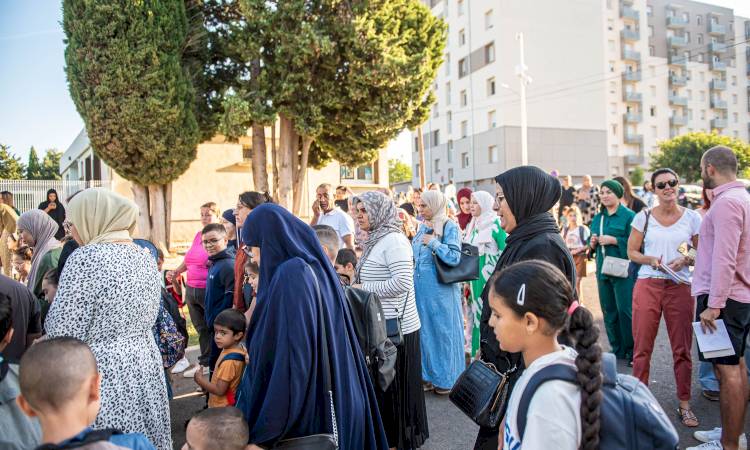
[282,392]
[133,441]
[219,285]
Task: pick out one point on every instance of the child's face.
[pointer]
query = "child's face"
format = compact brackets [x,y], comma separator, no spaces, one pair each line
[49,290]
[226,338]
[20,265]
[214,242]
[510,329]
[252,278]
[347,270]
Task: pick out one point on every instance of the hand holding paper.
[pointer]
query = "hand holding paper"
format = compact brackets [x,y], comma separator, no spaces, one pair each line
[713,344]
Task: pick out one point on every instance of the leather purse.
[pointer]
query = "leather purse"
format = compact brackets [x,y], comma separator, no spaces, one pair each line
[393,326]
[482,393]
[323,441]
[613,266]
[466,270]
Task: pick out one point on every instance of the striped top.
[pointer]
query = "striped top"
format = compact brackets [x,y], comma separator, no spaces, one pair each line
[389,273]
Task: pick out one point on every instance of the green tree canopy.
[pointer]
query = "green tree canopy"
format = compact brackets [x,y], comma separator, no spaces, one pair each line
[51,165]
[637,176]
[683,153]
[11,167]
[398,171]
[33,167]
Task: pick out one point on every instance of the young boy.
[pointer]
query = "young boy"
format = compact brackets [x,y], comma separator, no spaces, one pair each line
[17,431]
[329,240]
[67,406]
[229,330]
[346,265]
[217,428]
[220,282]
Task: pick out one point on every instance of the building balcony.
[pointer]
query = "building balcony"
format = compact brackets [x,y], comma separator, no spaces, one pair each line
[676,80]
[626,12]
[717,66]
[631,118]
[632,138]
[717,103]
[628,2]
[678,60]
[635,160]
[678,100]
[631,76]
[678,121]
[632,97]
[717,47]
[716,29]
[631,55]
[677,41]
[676,22]
[673,133]
[630,35]
[718,124]
[718,85]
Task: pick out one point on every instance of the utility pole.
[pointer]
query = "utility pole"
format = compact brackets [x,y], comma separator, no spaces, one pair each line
[524,79]
[420,148]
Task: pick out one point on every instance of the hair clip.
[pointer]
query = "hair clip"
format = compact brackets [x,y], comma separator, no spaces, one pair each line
[521,296]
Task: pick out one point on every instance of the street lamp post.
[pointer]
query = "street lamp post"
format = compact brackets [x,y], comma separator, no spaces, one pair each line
[524,79]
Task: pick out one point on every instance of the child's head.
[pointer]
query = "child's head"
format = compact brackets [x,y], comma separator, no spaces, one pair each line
[229,328]
[346,263]
[49,285]
[251,273]
[574,216]
[532,303]
[159,258]
[329,240]
[21,260]
[214,237]
[6,321]
[214,428]
[70,363]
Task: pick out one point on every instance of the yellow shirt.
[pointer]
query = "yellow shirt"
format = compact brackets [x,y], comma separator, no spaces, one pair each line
[8,219]
[231,372]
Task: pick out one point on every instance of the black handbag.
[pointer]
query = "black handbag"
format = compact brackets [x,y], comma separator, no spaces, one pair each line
[393,326]
[466,270]
[482,393]
[323,441]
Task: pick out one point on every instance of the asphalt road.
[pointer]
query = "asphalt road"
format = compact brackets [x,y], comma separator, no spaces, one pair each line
[451,430]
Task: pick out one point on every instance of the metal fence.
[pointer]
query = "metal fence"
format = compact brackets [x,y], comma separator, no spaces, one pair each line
[28,194]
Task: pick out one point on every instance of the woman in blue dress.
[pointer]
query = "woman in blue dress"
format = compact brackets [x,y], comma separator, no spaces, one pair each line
[438,304]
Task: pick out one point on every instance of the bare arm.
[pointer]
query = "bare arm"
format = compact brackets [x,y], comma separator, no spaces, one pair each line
[218,388]
[634,250]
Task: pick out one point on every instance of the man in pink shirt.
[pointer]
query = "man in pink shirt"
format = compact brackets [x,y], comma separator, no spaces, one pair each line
[721,284]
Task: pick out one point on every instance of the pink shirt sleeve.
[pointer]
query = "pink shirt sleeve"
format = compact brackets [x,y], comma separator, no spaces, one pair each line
[725,251]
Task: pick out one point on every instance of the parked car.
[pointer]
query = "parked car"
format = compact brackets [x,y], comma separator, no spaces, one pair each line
[690,196]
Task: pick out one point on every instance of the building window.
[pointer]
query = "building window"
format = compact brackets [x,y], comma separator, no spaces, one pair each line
[736,117]
[650,31]
[690,114]
[690,94]
[449,116]
[653,90]
[464,160]
[651,50]
[448,93]
[488,20]
[489,53]
[463,98]
[364,173]
[687,36]
[700,38]
[493,155]
[463,67]
[461,37]
[612,47]
[703,77]
[698,19]
[435,138]
[734,99]
[653,131]
[447,64]
[450,173]
[464,128]
[734,79]
[491,119]
[460,7]
[700,57]
[450,151]
[653,111]
[703,114]
[435,112]
[649,10]
[491,87]
[686,17]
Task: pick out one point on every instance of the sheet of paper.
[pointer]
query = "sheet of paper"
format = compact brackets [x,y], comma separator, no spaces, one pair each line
[713,343]
[676,277]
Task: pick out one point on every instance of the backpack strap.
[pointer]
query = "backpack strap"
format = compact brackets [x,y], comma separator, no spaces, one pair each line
[234,356]
[562,372]
[91,437]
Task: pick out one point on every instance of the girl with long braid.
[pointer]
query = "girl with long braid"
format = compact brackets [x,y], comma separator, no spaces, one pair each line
[532,305]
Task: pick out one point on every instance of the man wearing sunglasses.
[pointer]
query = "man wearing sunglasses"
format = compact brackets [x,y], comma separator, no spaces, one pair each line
[722,284]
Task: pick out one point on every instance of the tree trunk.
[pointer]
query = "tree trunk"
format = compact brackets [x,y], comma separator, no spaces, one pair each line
[168,216]
[274,163]
[140,196]
[260,171]
[158,215]
[287,151]
[420,147]
[299,182]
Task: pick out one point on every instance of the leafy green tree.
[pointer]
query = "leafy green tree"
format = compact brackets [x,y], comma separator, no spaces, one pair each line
[637,176]
[683,153]
[33,167]
[11,167]
[398,171]
[127,68]
[51,165]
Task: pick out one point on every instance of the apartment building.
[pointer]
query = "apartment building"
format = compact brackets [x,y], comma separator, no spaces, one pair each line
[611,78]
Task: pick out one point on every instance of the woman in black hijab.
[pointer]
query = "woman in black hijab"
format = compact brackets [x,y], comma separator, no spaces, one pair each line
[56,210]
[524,197]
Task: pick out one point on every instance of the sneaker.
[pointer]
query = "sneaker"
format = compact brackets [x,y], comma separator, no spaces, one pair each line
[713,445]
[181,365]
[190,373]
[715,435]
[711,395]
[206,371]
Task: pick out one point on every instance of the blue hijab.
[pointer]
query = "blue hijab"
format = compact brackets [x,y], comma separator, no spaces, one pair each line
[282,393]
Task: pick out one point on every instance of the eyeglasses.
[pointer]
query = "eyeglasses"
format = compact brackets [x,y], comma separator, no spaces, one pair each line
[211,241]
[672,183]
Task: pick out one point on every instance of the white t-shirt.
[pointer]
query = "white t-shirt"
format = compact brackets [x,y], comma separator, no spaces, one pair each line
[573,237]
[553,420]
[664,241]
[339,221]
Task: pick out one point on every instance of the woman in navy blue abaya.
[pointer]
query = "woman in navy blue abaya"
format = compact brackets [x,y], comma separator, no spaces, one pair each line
[282,393]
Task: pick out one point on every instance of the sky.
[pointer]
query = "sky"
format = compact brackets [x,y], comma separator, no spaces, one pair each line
[35,106]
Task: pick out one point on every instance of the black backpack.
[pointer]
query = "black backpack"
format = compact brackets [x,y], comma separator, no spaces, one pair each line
[369,325]
[631,418]
[96,439]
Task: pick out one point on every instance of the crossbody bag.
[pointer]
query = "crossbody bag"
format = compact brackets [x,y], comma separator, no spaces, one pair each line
[613,266]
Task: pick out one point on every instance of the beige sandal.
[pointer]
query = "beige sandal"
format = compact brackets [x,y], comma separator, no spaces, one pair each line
[687,417]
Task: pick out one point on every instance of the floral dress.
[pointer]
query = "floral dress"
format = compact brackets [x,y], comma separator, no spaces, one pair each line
[588,203]
[108,297]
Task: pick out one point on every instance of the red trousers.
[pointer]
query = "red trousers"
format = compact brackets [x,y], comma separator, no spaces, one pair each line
[653,297]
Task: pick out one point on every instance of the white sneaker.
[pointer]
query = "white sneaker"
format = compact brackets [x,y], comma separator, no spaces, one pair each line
[181,365]
[713,445]
[190,373]
[206,371]
[715,435]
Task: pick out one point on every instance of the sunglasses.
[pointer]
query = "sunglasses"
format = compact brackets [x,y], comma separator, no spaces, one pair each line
[672,183]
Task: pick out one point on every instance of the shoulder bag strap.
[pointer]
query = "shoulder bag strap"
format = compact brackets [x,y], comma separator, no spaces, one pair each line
[645,229]
[324,355]
[601,233]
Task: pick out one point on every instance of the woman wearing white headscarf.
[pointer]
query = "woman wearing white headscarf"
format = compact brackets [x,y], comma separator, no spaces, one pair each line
[37,229]
[439,304]
[108,297]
